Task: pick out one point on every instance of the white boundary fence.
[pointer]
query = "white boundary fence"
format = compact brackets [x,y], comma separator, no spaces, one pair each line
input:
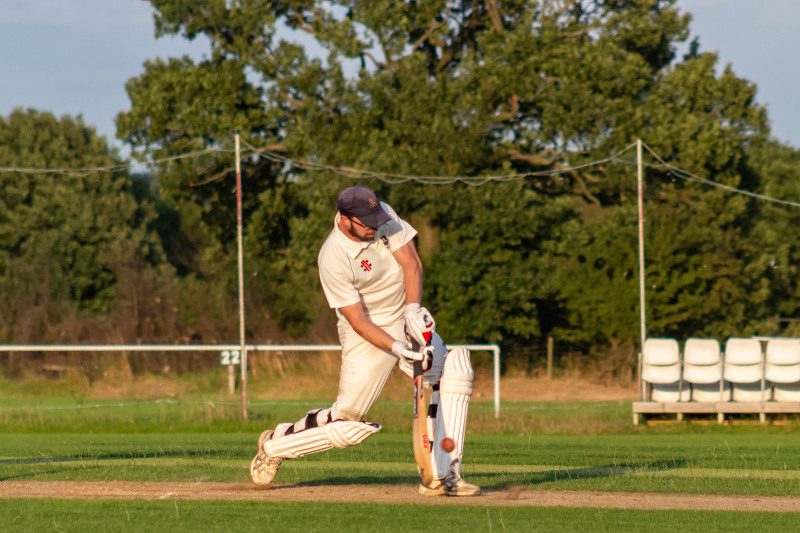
[495,349]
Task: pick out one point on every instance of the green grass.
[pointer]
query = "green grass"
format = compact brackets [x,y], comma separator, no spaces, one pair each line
[49,414]
[535,446]
[731,464]
[52,439]
[24,515]
[29,414]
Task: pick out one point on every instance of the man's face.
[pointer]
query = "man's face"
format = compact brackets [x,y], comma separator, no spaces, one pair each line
[358,230]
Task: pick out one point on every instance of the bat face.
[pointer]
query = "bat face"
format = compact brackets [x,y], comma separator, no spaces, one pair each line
[422,443]
[419,407]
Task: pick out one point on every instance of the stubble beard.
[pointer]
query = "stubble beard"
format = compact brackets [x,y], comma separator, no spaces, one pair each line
[352,231]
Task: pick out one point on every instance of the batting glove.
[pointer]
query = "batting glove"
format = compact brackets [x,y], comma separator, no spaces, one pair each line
[425,354]
[419,324]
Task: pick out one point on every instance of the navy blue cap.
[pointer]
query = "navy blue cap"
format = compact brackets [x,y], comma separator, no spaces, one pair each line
[359,201]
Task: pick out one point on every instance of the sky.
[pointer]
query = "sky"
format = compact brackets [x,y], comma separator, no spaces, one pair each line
[74,56]
[761,41]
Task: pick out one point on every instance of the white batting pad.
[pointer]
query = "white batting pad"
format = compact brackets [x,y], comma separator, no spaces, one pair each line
[338,434]
[455,389]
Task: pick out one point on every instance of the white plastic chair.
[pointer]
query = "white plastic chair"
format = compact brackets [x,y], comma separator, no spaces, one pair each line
[661,368]
[782,369]
[702,368]
[744,369]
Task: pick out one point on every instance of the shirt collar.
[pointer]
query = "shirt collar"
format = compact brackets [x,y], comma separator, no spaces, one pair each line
[353,248]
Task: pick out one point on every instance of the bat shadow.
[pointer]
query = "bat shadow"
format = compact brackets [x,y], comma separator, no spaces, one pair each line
[605,471]
[355,480]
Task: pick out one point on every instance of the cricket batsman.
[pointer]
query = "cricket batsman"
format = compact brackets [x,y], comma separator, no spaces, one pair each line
[372,277]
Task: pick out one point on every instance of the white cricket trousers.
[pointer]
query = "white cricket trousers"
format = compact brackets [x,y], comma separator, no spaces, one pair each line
[363,374]
[365,369]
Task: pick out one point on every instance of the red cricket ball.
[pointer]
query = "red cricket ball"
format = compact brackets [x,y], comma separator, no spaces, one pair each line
[447,444]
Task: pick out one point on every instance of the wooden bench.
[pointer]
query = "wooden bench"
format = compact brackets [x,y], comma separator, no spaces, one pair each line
[762,409]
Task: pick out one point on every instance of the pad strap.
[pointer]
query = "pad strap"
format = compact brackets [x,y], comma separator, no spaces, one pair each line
[337,434]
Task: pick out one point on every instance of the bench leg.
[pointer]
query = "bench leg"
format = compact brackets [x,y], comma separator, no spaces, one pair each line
[720,418]
[635,419]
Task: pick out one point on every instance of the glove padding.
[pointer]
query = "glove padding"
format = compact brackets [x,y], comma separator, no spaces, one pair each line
[419,324]
[425,354]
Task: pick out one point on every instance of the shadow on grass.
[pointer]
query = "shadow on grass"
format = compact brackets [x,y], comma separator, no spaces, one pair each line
[116,456]
[366,479]
[508,480]
[87,458]
[551,476]
[34,474]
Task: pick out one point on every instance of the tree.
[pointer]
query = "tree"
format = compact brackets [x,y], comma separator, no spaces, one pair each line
[64,238]
[468,88]
[775,232]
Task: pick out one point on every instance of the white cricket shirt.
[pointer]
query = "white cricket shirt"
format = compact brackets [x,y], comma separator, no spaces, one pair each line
[367,272]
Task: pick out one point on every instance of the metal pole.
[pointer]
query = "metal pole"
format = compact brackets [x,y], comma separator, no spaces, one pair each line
[642,311]
[496,351]
[240,257]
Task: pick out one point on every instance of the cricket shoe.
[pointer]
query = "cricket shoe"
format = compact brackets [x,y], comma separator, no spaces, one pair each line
[264,468]
[449,485]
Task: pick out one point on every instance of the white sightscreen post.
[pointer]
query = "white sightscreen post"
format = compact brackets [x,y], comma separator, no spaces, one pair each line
[642,310]
[496,353]
[240,264]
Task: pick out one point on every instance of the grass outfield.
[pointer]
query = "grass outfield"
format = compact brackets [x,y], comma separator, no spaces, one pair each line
[25,515]
[713,464]
[535,446]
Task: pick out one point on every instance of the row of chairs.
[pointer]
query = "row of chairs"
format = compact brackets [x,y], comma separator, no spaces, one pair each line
[703,373]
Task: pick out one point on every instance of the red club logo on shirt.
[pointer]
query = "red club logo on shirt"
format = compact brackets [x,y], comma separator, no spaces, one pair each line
[366,266]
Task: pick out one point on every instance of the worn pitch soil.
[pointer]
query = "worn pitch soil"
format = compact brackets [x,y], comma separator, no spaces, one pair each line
[388,494]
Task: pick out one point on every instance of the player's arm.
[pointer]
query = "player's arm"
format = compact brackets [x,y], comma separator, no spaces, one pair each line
[419,321]
[362,325]
[408,259]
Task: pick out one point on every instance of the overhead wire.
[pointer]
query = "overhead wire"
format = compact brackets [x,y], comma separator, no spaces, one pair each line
[121,167]
[688,176]
[392,178]
[271,154]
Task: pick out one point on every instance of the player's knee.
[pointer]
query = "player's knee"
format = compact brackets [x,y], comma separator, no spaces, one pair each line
[337,434]
[348,413]
[457,374]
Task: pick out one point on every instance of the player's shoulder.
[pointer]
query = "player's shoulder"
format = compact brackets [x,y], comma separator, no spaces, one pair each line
[389,210]
[329,248]
[394,228]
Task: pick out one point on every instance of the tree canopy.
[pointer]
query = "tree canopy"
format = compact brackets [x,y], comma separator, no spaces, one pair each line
[478,88]
[65,239]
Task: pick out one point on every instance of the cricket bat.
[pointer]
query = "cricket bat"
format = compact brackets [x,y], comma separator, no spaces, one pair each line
[422,442]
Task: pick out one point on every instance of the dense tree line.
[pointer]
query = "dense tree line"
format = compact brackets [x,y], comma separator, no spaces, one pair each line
[427,88]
